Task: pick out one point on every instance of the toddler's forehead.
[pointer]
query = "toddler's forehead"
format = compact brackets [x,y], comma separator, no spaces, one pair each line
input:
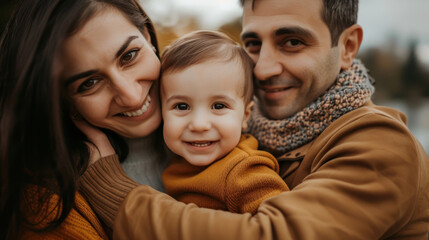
[219,71]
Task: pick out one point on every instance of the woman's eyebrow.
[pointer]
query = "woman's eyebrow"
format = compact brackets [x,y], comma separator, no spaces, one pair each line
[90,72]
[78,76]
[125,45]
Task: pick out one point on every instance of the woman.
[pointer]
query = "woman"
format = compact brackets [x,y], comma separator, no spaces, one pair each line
[65,61]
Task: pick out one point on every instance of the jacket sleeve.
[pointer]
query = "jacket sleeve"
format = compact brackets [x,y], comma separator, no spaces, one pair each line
[251,181]
[360,189]
[105,186]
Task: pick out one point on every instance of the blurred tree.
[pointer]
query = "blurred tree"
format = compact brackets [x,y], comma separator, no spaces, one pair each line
[385,68]
[232,29]
[413,83]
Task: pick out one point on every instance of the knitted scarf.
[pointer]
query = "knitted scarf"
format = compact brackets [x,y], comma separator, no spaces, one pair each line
[351,90]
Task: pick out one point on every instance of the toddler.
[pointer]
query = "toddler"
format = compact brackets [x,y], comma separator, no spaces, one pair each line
[206,95]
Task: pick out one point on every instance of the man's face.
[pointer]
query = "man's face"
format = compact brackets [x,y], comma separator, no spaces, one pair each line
[291,47]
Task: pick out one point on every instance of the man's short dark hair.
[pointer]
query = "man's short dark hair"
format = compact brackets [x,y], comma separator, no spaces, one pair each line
[337,14]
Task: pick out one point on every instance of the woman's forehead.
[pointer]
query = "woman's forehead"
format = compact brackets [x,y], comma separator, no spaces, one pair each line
[97,41]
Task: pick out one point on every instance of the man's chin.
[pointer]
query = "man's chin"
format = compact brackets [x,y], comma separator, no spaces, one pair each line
[277,112]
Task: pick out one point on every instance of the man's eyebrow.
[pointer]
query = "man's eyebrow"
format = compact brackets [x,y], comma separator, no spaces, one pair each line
[249,35]
[78,76]
[283,31]
[125,45]
[295,31]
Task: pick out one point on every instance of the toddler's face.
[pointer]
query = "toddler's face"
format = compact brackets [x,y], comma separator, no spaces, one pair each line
[203,110]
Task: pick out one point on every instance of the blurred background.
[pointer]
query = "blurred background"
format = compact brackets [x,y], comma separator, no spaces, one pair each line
[395,47]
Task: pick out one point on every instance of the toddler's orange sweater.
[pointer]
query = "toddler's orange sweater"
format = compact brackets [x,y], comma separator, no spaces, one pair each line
[239,182]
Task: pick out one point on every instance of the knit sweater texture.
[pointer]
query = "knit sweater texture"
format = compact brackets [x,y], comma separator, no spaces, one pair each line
[81,223]
[238,182]
[146,160]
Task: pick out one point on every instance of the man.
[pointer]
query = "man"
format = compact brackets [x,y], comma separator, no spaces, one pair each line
[354,169]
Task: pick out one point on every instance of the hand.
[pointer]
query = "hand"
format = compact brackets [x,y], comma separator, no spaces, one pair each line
[101,146]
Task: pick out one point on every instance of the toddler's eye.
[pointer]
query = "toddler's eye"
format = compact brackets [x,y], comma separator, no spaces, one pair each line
[182,106]
[218,106]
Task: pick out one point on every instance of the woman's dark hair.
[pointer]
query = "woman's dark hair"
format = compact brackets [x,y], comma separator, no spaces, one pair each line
[39,144]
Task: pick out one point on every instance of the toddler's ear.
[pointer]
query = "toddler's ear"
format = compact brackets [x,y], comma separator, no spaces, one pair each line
[247,113]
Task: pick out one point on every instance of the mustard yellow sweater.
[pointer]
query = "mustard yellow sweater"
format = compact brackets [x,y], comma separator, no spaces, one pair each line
[81,223]
[238,182]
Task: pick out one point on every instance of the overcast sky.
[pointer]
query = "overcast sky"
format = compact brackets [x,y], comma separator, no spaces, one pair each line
[406,19]
[382,20]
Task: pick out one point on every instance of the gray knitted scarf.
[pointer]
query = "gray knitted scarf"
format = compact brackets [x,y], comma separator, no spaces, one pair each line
[351,90]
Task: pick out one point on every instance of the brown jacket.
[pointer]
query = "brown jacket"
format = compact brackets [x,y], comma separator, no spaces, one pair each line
[238,182]
[365,177]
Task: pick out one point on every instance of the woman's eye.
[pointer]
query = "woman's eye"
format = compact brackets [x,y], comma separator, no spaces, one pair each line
[182,106]
[218,106]
[87,85]
[128,57]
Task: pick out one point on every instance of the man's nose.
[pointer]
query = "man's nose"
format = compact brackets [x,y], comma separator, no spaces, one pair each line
[128,92]
[268,63]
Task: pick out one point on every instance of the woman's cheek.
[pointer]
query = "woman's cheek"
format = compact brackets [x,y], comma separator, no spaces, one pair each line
[94,110]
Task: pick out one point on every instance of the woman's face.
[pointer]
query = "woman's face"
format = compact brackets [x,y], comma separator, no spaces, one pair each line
[111,70]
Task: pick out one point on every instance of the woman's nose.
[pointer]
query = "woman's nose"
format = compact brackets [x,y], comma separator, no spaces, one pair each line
[128,92]
[267,64]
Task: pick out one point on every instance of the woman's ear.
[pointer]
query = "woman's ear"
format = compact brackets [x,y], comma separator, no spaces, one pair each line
[74,113]
[247,113]
[349,44]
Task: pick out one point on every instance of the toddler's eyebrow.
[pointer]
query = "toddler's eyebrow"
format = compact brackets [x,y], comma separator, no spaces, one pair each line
[176,97]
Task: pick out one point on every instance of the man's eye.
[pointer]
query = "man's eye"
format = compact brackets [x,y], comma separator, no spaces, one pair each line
[218,106]
[182,106]
[252,46]
[293,43]
[87,85]
[128,57]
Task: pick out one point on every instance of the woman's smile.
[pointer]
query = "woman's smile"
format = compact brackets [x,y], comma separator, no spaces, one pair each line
[140,111]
